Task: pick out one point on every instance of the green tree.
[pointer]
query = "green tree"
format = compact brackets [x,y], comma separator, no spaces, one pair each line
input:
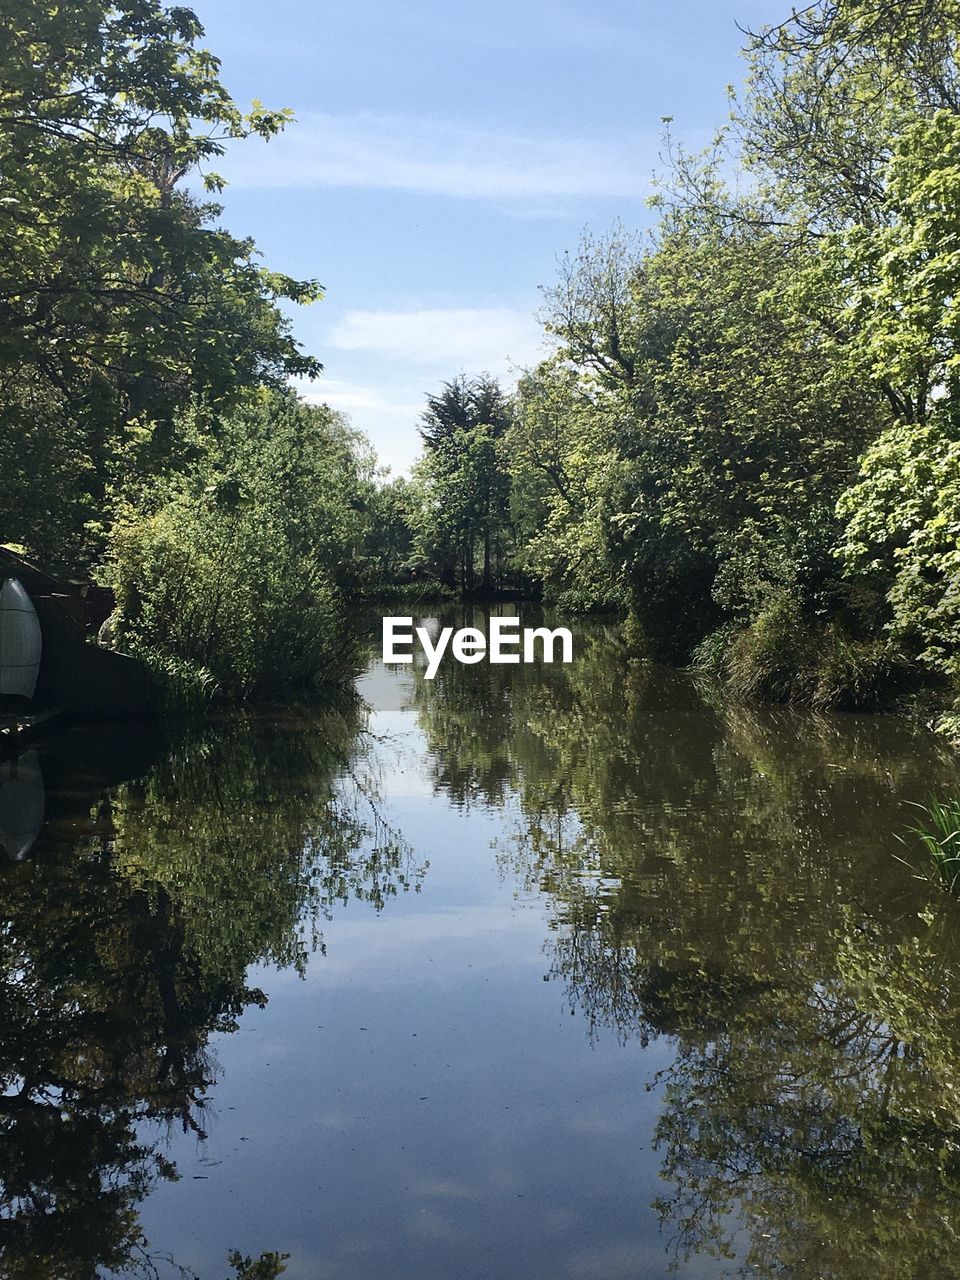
[465,504]
[692,398]
[829,91]
[234,568]
[120,298]
[853,108]
[389,546]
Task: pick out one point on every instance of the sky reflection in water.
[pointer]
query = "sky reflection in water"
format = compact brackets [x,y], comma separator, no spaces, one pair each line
[519,973]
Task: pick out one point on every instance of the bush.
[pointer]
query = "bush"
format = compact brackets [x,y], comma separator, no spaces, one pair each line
[771,658]
[856,675]
[783,656]
[221,593]
[226,574]
[713,651]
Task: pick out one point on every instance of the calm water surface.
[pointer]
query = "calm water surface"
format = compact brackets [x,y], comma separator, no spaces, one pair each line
[520,974]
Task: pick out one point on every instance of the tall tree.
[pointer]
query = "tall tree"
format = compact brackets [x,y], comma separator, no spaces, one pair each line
[467,498]
[120,297]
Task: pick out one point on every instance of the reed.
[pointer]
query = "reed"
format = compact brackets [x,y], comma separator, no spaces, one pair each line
[939,834]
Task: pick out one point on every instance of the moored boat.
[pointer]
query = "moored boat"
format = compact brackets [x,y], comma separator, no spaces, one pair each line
[21,643]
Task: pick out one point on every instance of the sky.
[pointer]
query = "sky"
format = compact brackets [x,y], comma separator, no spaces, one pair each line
[444,157]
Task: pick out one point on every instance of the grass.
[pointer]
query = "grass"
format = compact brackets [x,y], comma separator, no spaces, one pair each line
[939,834]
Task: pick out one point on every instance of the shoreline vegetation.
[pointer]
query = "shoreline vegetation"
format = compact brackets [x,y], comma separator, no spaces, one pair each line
[745,441]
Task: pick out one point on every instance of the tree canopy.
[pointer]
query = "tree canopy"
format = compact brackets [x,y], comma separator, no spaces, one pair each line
[121,298]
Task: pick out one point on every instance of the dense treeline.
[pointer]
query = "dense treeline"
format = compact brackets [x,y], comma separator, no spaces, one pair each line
[746,438]
[147,433]
[748,435]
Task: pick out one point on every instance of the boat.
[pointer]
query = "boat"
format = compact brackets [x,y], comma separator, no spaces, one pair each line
[21,643]
[22,806]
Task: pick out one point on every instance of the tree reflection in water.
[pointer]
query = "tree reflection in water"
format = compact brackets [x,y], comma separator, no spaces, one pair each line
[124,954]
[724,879]
[716,878]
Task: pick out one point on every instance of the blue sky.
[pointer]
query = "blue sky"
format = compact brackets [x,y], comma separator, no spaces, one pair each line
[444,157]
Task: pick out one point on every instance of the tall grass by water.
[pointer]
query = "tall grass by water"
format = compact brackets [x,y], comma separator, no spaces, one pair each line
[939,834]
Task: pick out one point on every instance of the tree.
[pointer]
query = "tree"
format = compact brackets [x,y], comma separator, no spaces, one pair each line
[693,396]
[231,571]
[466,499]
[120,300]
[389,544]
[831,88]
[855,108]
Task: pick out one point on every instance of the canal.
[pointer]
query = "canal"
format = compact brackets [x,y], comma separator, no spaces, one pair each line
[520,973]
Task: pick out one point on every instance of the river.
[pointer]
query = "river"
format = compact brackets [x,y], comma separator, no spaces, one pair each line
[523,973]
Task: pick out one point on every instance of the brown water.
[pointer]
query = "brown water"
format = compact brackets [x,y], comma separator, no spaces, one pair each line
[520,974]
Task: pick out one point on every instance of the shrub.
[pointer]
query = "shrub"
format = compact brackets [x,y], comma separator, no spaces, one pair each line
[771,658]
[856,675]
[784,656]
[221,595]
[713,651]
[227,574]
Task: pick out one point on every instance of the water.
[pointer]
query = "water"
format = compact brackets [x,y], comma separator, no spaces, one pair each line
[519,974]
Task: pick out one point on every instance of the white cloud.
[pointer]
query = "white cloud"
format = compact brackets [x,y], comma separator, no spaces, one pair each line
[429,345]
[441,157]
[387,416]
[353,398]
[492,339]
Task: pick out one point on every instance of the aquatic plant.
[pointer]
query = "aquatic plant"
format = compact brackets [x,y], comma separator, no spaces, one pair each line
[939,833]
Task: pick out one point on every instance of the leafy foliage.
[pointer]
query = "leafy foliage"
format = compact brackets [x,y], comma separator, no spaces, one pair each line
[234,565]
[746,440]
[464,484]
[693,411]
[120,298]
